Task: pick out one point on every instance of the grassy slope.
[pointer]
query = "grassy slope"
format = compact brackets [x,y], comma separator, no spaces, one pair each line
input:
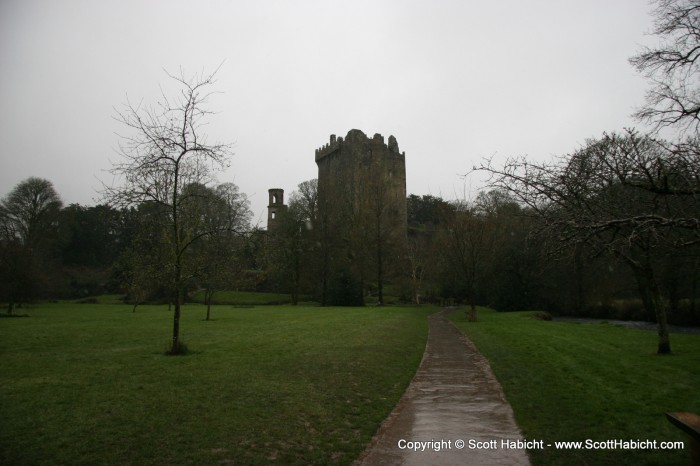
[88,384]
[589,381]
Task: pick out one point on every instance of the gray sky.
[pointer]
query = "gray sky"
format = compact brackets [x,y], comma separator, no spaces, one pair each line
[453,81]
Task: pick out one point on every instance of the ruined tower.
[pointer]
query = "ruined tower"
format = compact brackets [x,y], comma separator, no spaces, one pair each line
[362,213]
[275,207]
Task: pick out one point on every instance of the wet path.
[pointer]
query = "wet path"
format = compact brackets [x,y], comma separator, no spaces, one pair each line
[453,397]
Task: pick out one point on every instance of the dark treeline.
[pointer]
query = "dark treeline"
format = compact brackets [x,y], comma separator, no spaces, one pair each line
[492,250]
[498,251]
[495,252]
[48,251]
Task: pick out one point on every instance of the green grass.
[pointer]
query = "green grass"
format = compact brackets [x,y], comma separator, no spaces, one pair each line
[89,384]
[572,382]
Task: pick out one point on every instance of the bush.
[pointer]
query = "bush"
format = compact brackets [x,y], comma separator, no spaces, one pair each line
[344,290]
[686,313]
[542,315]
[87,301]
[619,309]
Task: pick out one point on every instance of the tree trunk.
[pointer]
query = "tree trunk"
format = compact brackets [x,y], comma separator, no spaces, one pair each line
[176,344]
[175,349]
[177,249]
[380,277]
[578,270]
[654,303]
[325,259]
[471,290]
[694,289]
[415,285]
[208,296]
[380,258]
[471,315]
[324,273]
[296,277]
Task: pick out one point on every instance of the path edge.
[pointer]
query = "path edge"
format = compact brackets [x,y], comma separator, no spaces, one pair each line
[396,410]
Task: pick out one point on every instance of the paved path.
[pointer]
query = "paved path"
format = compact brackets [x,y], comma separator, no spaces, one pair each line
[453,396]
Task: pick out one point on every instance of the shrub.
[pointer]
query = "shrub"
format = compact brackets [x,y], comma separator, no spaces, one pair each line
[542,315]
[344,290]
[87,301]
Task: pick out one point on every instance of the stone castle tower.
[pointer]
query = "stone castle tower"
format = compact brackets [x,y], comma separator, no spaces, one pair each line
[275,207]
[362,212]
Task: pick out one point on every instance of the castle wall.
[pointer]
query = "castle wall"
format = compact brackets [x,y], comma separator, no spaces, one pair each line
[362,201]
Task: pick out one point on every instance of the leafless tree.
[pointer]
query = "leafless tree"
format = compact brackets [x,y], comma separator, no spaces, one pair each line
[418,260]
[379,247]
[225,213]
[164,151]
[673,67]
[628,195]
[468,240]
[306,198]
[293,246]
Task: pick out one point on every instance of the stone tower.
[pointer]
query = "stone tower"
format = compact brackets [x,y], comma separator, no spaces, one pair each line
[362,212]
[275,207]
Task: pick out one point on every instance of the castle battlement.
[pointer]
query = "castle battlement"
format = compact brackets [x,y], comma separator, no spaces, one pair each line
[335,143]
[329,148]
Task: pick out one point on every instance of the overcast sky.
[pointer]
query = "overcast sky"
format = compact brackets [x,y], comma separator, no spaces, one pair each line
[452,80]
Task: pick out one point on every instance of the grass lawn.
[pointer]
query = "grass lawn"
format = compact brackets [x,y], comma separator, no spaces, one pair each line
[89,384]
[573,382]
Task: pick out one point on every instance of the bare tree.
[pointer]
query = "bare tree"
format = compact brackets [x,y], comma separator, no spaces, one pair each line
[164,151]
[417,254]
[373,239]
[379,246]
[511,272]
[623,194]
[673,67]
[426,217]
[467,241]
[226,214]
[306,197]
[292,251]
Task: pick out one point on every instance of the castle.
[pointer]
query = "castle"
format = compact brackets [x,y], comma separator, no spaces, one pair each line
[362,212]
[361,224]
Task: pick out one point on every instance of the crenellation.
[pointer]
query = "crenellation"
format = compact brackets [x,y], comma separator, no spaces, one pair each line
[328,148]
[393,145]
